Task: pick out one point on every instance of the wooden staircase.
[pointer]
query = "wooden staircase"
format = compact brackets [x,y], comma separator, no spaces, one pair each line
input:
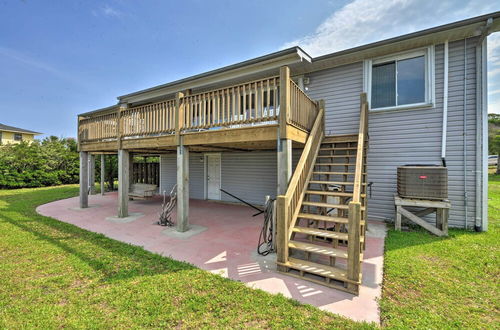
[324,232]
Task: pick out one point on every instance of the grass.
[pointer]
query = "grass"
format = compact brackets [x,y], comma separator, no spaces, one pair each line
[432,282]
[55,275]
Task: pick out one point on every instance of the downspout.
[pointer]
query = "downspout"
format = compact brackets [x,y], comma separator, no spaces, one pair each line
[481,220]
[445,105]
[465,135]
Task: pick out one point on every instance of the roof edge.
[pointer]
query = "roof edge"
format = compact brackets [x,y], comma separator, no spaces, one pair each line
[302,55]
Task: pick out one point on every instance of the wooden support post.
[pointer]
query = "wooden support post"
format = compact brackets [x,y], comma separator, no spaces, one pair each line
[92,174]
[282,233]
[84,179]
[123,182]
[131,168]
[284,114]
[397,225]
[284,165]
[182,188]
[119,127]
[354,246]
[179,116]
[103,172]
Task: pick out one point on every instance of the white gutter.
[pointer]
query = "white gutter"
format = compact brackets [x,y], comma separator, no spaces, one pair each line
[484,161]
[481,220]
[445,105]
[466,199]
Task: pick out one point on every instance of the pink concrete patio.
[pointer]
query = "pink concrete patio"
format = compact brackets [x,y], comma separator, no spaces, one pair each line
[224,240]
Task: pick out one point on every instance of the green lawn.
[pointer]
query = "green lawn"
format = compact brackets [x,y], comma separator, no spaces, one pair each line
[432,282]
[53,274]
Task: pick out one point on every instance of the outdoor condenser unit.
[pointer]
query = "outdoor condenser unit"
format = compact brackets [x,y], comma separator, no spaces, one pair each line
[423,181]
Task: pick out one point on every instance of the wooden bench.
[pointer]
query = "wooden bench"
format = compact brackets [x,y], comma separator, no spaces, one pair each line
[430,206]
[142,190]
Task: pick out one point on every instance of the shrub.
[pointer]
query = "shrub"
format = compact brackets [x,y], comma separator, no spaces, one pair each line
[49,162]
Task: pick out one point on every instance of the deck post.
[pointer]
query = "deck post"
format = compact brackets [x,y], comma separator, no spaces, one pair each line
[284,144]
[92,174]
[103,173]
[284,165]
[282,233]
[179,117]
[354,246]
[123,182]
[84,179]
[182,187]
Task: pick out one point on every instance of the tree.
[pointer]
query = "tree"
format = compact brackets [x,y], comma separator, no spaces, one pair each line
[494,137]
[51,161]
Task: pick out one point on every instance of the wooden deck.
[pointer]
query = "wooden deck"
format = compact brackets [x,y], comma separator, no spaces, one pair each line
[242,117]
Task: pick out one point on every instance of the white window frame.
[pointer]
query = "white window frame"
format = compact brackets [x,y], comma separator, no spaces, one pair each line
[430,84]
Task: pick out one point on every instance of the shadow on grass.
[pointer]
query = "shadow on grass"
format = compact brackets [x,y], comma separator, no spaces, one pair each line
[94,249]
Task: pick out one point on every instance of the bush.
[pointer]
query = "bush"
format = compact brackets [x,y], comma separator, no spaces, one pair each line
[52,161]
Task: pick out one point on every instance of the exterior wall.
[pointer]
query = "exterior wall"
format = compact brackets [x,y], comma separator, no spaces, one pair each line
[8,137]
[408,136]
[248,175]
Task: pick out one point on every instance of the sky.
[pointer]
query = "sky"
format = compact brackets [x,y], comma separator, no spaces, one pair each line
[61,58]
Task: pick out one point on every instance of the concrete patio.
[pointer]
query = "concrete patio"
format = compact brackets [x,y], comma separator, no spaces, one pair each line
[223,239]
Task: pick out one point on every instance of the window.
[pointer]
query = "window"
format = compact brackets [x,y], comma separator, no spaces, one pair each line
[18,137]
[402,81]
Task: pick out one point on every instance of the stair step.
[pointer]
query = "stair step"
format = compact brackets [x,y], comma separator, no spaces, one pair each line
[318,249]
[340,183]
[335,273]
[337,156]
[340,148]
[334,173]
[331,193]
[334,164]
[328,205]
[318,217]
[341,138]
[320,233]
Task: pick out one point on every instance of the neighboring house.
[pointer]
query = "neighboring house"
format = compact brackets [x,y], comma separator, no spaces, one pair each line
[245,128]
[11,134]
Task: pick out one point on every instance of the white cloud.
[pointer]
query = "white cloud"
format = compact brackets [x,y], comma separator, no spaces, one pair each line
[107,11]
[365,21]
[494,92]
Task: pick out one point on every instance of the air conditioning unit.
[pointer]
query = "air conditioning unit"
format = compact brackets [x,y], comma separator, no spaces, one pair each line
[423,182]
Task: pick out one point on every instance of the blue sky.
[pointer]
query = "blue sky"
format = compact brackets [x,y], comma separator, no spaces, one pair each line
[61,58]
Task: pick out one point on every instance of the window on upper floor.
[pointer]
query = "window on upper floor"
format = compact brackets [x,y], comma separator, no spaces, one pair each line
[18,137]
[401,81]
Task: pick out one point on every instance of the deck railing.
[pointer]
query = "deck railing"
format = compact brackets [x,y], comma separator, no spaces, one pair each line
[150,119]
[248,103]
[288,205]
[101,127]
[303,110]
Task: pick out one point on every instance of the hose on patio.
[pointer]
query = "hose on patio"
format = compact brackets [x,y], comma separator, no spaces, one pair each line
[265,245]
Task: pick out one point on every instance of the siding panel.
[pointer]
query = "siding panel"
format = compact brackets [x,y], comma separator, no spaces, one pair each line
[410,136]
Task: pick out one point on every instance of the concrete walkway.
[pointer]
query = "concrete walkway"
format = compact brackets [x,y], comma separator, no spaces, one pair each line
[223,240]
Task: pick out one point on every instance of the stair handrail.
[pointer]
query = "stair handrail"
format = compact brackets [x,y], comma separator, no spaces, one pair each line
[288,205]
[355,212]
[360,153]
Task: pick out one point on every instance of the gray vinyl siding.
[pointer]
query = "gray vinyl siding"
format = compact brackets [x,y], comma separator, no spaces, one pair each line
[410,136]
[168,174]
[340,88]
[249,175]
